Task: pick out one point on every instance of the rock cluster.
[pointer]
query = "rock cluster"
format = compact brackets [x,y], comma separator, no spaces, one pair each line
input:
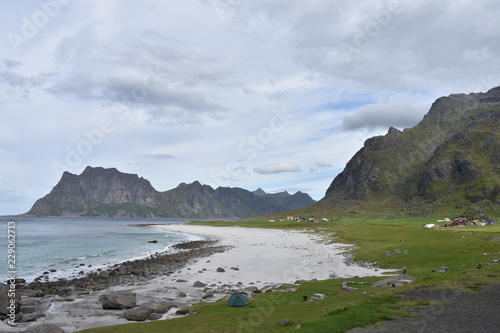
[40,294]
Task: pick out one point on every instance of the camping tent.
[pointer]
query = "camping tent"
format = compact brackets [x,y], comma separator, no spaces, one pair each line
[237,299]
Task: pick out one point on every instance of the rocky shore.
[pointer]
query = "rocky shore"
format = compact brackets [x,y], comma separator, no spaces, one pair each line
[36,298]
[127,272]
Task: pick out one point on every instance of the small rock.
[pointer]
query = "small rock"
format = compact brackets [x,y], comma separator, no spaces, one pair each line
[285,322]
[220,270]
[183,312]
[31,317]
[138,313]
[155,316]
[199,284]
[395,281]
[182,294]
[208,295]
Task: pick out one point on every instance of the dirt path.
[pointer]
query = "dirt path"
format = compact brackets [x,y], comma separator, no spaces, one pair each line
[455,312]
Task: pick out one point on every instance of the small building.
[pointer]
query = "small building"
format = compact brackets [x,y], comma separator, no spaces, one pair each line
[290,218]
[479,223]
[460,222]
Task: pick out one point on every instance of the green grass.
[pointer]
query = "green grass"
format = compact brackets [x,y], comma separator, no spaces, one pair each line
[459,249]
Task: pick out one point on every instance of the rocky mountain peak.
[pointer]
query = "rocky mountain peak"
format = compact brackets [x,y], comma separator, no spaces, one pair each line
[259,191]
[447,156]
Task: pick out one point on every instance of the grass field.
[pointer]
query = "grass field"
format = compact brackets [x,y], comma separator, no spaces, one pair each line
[458,249]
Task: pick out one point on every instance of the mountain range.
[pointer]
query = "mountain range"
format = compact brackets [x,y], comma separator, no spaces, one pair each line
[100,192]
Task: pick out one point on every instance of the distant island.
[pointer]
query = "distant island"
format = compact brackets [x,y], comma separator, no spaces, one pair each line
[100,192]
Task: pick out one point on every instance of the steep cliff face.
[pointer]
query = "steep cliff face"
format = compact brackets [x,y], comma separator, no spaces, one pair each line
[449,160]
[94,189]
[103,192]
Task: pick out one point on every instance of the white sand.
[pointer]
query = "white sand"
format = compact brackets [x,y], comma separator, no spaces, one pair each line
[268,256]
[263,258]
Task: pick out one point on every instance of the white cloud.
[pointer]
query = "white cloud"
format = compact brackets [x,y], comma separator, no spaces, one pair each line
[278,168]
[382,116]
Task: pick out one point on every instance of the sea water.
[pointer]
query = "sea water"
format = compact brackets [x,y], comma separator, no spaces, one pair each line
[72,245]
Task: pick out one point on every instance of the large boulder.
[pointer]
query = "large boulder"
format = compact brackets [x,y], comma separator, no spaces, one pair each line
[395,281]
[5,300]
[44,328]
[139,313]
[118,300]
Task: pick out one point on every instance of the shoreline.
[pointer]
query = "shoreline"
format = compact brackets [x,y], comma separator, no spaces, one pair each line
[231,259]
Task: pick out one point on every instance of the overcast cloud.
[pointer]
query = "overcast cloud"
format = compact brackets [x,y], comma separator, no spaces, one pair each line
[277,94]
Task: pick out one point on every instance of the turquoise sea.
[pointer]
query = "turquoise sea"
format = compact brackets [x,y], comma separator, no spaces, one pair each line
[71,245]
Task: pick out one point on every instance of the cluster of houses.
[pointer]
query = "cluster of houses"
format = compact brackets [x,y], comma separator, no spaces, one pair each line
[299,219]
[462,222]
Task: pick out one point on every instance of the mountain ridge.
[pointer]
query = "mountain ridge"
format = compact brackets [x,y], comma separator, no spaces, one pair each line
[101,192]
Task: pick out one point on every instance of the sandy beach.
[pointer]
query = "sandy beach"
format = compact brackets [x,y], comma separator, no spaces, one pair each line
[265,256]
[252,259]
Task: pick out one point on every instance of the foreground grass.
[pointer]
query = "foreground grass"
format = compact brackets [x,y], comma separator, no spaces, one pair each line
[458,249]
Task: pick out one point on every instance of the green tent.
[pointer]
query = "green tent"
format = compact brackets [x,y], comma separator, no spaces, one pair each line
[237,299]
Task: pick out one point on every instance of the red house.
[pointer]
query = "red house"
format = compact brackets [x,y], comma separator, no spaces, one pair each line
[460,222]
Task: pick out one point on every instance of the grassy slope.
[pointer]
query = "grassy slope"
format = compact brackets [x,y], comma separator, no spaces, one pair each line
[428,250]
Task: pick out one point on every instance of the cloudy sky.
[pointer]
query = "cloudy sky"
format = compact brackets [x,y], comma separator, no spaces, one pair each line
[277,94]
